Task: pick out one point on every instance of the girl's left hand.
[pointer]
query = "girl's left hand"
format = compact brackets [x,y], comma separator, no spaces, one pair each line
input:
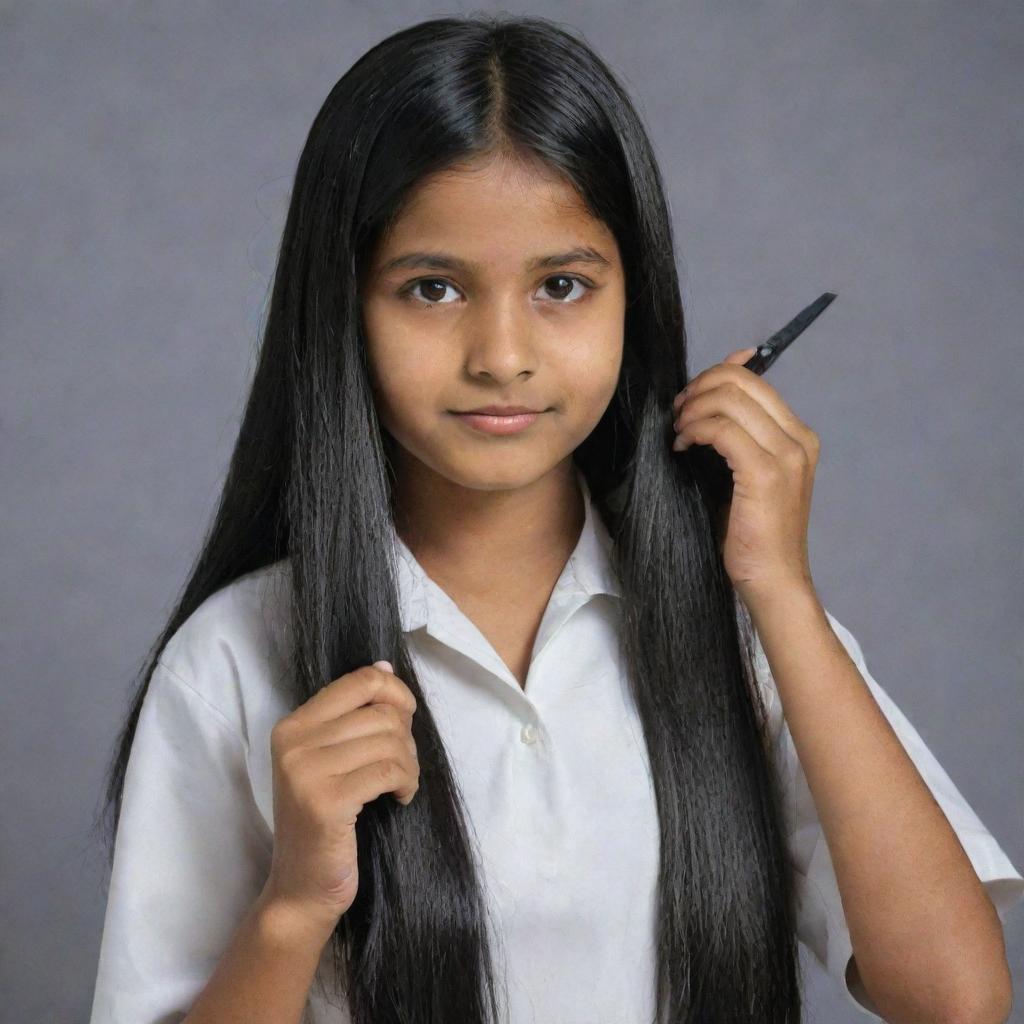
[762,534]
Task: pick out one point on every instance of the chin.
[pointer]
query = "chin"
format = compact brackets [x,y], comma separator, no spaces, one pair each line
[493,472]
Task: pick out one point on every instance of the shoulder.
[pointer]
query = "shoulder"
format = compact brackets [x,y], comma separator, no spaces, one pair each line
[233,651]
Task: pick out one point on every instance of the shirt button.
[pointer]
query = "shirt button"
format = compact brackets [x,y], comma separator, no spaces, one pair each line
[528,734]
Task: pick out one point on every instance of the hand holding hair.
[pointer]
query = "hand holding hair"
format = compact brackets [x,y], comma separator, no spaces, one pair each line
[772,454]
[345,746]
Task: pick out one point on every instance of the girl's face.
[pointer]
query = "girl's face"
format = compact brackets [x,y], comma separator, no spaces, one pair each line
[470,317]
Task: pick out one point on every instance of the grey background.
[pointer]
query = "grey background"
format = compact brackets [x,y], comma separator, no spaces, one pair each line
[871,149]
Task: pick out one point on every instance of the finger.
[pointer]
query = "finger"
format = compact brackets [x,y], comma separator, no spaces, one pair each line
[740,355]
[759,390]
[372,781]
[732,401]
[731,441]
[376,717]
[352,690]
[392,773]
[352,755]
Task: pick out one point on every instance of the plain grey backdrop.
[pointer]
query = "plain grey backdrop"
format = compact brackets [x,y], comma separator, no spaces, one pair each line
[872,149]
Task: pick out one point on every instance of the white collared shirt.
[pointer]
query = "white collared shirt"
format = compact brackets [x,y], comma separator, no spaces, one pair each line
[554,776]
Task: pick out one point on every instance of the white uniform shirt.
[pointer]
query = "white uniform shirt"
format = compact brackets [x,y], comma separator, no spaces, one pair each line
[555,778]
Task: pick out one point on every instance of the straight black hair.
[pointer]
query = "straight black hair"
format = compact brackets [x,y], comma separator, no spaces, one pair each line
[310,481]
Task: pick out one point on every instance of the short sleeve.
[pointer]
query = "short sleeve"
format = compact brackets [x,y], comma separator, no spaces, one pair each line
[191,855]
[821,922]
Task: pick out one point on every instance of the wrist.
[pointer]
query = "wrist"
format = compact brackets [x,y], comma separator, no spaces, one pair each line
[281,923]
[794,595]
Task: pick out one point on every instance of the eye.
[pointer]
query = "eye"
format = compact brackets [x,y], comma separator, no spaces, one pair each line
[436,285]
[586,286]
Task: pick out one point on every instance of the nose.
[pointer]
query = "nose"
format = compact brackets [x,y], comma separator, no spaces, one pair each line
[499,341]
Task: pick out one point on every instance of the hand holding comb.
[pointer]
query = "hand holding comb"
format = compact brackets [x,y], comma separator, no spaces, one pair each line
[712,472]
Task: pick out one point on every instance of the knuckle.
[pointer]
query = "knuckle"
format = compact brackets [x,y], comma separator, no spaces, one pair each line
[391,715]
[367,674]
[369,687]
[795,455]
[280,736]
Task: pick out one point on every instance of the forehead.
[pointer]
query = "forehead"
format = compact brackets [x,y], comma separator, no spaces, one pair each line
[495,212]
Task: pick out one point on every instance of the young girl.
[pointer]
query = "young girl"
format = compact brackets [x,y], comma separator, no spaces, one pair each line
[619,758]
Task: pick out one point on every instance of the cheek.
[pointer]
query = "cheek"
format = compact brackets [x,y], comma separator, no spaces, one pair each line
[590,373]
[408,390]
[407,373]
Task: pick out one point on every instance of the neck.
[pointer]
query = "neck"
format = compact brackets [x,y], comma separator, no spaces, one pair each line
[489,541]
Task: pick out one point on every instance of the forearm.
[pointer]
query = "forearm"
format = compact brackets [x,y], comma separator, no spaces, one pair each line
[927,940]
[265,975]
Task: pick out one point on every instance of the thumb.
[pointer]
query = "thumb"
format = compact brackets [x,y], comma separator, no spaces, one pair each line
[741,355]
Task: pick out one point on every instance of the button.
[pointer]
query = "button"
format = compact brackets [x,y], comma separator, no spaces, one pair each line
[528,734]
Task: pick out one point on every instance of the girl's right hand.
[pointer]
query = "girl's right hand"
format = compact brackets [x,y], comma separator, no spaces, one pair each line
[345,746]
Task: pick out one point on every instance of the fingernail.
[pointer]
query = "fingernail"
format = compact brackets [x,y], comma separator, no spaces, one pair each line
[386,665]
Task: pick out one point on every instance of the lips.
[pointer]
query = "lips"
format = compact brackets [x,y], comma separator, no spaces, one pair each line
[499,410]
[490,423]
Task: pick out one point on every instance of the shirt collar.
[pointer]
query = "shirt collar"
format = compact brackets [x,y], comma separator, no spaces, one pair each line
[588,572]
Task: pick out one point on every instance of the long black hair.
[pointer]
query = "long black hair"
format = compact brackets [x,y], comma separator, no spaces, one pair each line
[310,480]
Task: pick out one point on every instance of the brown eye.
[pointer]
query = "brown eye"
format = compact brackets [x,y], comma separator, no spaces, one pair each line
[432,290]
[564,288]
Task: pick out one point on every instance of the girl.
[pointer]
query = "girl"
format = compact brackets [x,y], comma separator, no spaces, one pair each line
[624,745]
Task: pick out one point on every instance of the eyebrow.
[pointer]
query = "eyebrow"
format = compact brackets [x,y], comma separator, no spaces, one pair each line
[446,261]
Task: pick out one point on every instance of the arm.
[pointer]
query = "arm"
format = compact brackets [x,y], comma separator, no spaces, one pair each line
[928,942]
[266,972]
